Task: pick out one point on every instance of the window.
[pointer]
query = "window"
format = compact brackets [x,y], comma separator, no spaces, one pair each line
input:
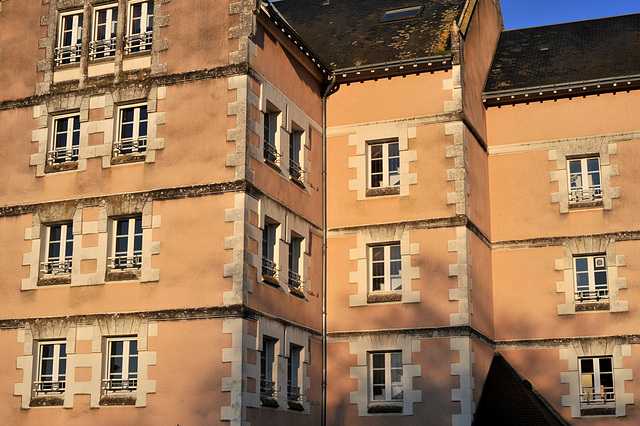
[103,43]
[65,140]
[59,250]
[384,165]
[51,368]
[386,268]
[270,151]
[591,278]
[584,180]
[132,135]
[121,372]
[385,374]
[140,27]
[295,256]
[294,376]
[269,265]
[596,381]
[268,367]
[403,13]
[295,148]
[127,244]
[69,46]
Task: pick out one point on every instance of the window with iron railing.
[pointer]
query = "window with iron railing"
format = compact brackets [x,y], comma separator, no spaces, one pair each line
[65,143]
[132,137]
[121,373]
[270,149]
[295,155]
[596,381]
[591,278]
[139,35]
[269,265]
[268,367]
[105,26]
[294,376]
[59,249]
[295,258]
[127,244]
[584,180]
[69,48]
[51,369]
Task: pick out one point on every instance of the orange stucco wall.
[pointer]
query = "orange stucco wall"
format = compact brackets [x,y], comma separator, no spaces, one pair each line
[196,44]
[20,21]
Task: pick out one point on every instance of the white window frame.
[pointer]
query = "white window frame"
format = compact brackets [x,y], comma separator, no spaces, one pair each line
[270,250]
[69,53]
[387,176]
[388,280]
[604,395]
[128,380]
[132,258]
[268,367]
[596,266]
[137,142]
[139,41]
[388,385]
[294,374]
[57,383]
[104,47]
[61,264]
[580,187]
[69,152]
[270,136]
[296,158]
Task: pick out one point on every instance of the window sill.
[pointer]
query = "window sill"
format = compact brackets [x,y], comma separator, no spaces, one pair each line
[116,400]
[126,159]
[586,205]
[297,181]
[382,297]
[62,167]
[46,401]
[295,405]
[601,410]
[380,192]
[54,280]
[270,280]
[272,164]
[268,401]
[592,306]
[296,291]
[382,408]
[125,275]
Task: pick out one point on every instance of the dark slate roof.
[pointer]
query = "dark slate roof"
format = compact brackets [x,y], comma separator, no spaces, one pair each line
[572,52]
[348,33]
[508,399]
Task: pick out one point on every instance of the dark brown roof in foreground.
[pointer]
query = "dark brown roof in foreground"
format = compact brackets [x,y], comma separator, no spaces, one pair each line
[508,399]
[566,53]
[347,33]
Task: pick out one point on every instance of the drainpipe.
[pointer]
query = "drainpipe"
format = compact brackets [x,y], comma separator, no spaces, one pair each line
[332,82]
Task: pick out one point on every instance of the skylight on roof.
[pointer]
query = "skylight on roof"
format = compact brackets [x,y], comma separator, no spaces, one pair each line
[403,13]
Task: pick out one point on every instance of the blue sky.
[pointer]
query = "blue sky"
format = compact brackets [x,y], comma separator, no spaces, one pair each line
[532,13]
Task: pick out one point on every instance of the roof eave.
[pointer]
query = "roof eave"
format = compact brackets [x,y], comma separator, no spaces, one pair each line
[562,90]
[393,68]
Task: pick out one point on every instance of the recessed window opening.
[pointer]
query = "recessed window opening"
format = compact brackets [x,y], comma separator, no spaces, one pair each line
[403,13]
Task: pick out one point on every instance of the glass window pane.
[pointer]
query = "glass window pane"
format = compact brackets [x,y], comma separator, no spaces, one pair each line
[582,264]
[575,166]
[586,365]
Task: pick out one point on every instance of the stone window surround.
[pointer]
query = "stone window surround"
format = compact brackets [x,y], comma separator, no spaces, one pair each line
[377,235]
[362,136]
[120,206]
[291,117]
[567,149]
[362,346]
[95,332]
[289,223]
[285,336]
[588,246]
[107,66]
[596,348]
[109,102]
